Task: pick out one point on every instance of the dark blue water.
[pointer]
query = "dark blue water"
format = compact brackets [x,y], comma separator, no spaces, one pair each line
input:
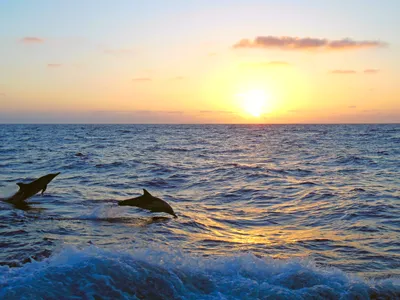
[280,211]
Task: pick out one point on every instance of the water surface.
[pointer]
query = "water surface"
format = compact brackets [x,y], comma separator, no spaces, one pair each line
[289,210]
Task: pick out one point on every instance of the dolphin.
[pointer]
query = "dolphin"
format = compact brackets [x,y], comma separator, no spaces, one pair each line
[27,190]
[149,202]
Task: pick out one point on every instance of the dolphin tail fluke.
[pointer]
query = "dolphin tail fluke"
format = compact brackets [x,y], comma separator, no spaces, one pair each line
[122,203]
[175,216]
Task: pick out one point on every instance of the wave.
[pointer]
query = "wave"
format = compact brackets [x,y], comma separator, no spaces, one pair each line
[355,160]
[94,273]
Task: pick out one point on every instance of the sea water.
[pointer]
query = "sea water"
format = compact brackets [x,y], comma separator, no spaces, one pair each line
[264,212]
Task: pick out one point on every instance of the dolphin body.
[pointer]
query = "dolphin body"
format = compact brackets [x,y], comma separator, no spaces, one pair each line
[27,190]
[149,202]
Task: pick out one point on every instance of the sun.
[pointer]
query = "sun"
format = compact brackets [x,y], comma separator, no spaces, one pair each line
[253,102]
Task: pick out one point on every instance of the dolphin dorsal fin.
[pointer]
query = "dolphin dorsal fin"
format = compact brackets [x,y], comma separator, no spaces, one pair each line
[21,185]
[146,193]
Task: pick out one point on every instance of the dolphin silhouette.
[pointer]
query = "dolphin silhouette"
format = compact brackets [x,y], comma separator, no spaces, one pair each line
[27,190]
[149,202]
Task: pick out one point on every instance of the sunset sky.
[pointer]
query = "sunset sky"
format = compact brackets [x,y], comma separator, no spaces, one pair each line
[203,61]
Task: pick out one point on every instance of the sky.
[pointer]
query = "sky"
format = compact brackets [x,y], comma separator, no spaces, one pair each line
[180,61]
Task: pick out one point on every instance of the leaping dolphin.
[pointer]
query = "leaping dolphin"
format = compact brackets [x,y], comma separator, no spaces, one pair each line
[149,202]
[27,190]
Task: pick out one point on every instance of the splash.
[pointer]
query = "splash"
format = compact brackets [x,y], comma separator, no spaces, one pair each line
[157,274]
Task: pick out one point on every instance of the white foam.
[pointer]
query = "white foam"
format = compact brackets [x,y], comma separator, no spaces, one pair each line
[151,273]
[104,211]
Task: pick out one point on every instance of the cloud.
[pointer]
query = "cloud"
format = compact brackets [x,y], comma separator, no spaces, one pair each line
[141,79]
[366,71]
[32,40]
[371,71]
[175,112]
[352,106]
[343,72]
[351,44]
[308,43]
[179,78]
[54,65]
[2,94]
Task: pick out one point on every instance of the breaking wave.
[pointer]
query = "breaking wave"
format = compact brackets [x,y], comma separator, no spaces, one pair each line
[95,273]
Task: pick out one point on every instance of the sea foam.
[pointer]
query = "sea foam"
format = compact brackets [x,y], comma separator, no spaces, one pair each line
[94,273]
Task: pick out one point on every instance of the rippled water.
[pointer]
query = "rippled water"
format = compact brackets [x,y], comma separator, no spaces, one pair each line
[264,211]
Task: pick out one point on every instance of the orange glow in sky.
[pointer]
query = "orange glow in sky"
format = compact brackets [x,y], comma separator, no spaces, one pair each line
[200,62]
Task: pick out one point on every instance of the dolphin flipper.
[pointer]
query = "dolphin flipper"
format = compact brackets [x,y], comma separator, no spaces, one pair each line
[44,189]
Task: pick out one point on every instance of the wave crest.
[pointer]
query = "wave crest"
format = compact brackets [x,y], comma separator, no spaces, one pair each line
[155,274]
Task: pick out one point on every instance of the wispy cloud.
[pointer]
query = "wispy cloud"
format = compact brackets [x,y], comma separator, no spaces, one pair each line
[141,79]
[307,43]
[32,40]
[2,94]
[371,71]
[343,72]
[54,65]
[352,106]
[175,112]
[179,78]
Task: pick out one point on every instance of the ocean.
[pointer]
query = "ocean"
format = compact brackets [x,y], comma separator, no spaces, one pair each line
[264,212]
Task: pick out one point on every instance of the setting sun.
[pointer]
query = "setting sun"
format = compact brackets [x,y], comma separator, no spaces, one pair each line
[254,102]
[247,67]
